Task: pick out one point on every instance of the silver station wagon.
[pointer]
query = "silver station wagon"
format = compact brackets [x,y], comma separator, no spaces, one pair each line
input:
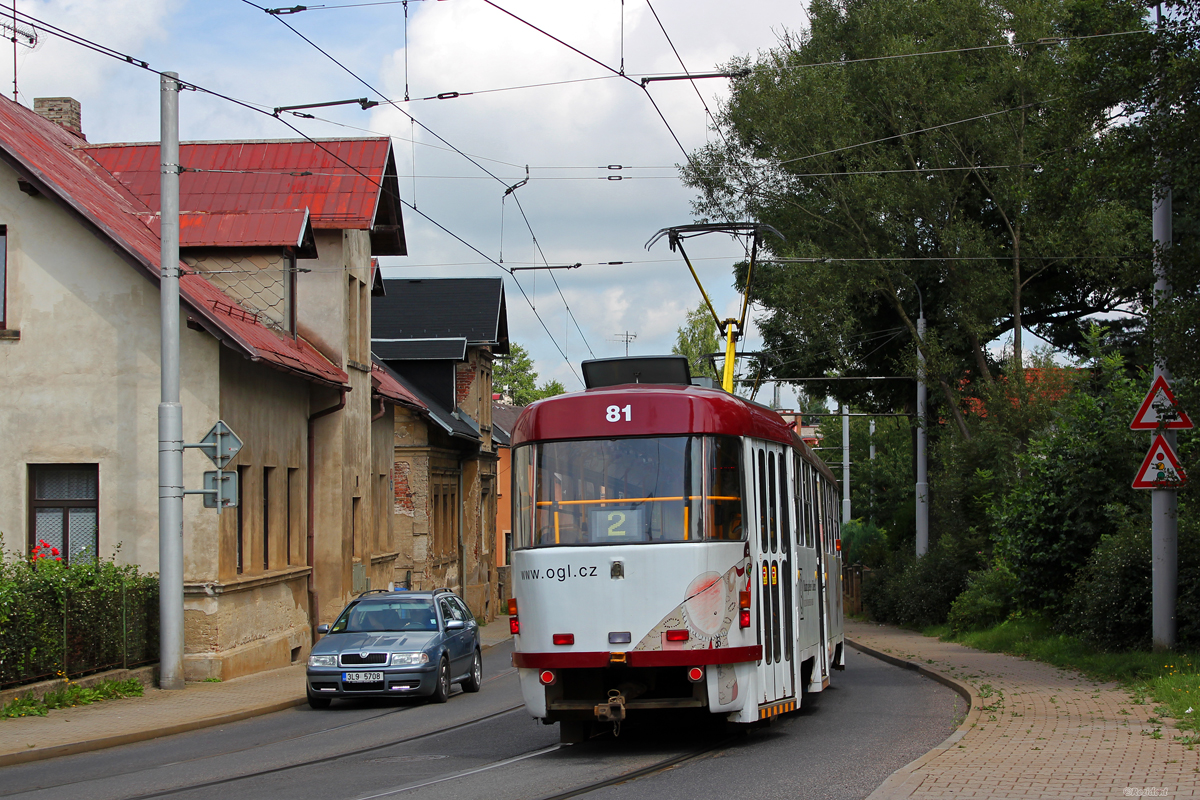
[396,644]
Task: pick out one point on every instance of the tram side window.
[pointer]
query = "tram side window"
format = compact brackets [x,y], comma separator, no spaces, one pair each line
[724,489]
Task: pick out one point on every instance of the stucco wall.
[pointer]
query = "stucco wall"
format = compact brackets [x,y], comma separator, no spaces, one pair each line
[82,382]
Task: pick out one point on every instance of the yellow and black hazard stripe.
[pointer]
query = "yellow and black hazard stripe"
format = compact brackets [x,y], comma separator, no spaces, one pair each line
[776,708]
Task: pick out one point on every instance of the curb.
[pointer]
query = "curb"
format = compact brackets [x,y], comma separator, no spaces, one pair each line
[903,782]
[42,753]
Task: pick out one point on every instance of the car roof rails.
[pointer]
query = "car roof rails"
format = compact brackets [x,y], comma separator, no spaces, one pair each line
[375,591]
[442,590]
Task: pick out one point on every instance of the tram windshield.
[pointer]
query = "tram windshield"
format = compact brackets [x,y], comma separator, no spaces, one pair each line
[622,491]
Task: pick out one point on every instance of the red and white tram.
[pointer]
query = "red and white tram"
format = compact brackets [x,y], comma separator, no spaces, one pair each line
[675,547]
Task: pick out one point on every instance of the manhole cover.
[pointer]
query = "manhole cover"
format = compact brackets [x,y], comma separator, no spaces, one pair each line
[403,759]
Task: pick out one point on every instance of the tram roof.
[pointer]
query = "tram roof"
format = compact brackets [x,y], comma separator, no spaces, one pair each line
[655,410]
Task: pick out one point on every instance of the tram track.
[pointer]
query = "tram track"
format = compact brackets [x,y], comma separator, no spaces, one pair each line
[191,787]
[278,741]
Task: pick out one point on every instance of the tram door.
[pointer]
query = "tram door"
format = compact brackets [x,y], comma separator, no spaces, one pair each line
[771,527]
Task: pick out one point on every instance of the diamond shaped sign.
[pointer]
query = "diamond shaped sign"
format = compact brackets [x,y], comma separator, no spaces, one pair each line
[221,444]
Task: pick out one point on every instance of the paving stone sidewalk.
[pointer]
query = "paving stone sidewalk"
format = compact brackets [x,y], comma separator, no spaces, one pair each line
[159,713]
[1034,731]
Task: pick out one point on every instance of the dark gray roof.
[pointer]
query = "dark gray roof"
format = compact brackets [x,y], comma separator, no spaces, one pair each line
[504,417]
[442,308]
[453,423]
[420,349]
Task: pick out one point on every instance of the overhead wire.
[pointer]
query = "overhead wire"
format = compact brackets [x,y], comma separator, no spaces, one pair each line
[107,51]
[440,138]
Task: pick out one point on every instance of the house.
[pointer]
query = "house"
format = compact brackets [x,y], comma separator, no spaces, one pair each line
[277,239]
[437,338]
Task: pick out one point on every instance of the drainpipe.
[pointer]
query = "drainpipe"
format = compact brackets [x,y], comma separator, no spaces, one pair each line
[462,556]
[313,605]
[382,409]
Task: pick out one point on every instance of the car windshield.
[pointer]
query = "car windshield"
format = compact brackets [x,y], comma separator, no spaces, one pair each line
[378,616]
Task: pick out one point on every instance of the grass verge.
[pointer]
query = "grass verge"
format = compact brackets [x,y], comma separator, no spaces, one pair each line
[68,695]
[1171,680]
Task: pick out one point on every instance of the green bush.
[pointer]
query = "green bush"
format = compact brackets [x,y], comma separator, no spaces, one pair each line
[987,601]
[1110,604]
[57,621]
[916,592]
[1073,487]
[864,543]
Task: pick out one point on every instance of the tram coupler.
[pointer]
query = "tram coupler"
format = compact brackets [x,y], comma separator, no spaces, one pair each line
[614,709]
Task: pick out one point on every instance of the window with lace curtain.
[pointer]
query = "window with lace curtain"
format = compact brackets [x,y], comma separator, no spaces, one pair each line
[64,509]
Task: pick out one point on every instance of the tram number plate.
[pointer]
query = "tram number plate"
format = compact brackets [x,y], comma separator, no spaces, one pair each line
[362,677]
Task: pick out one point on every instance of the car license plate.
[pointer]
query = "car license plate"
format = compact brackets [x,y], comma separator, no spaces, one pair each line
[362,677]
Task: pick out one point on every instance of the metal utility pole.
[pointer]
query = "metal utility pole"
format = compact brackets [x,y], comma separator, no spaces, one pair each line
[845,464]
[1164,503]
[170,412]
[922,488]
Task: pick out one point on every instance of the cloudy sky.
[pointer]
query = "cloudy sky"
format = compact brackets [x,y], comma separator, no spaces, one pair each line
[566,133]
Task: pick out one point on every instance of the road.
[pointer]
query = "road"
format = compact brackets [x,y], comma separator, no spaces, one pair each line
[874,719]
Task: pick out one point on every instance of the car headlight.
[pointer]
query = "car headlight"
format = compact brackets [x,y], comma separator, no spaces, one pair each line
[322,661]
[406,659]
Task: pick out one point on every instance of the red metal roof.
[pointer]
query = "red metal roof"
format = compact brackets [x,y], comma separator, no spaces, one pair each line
[237,229]
[263,175]
[54,162]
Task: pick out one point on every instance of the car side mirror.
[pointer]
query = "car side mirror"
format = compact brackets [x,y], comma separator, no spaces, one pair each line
[323,628]
[455,625]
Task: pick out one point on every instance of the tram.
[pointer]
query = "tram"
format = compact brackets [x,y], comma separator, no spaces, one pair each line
[675,547]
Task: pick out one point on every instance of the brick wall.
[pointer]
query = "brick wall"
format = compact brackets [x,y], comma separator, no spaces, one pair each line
[65,111]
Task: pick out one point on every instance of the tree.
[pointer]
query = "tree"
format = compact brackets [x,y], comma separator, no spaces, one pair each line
[696,339]
[951,175]
[513,376]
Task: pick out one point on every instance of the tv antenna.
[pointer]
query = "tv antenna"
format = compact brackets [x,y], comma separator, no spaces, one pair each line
[625,337]
[18,33]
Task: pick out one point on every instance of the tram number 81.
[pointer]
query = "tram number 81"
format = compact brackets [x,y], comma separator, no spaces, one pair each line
[614,413]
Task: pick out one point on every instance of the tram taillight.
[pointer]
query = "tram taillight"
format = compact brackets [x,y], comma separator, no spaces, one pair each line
[677,636]
[744,605]
[696,674]
[514,624]
[547,677]
[564,638]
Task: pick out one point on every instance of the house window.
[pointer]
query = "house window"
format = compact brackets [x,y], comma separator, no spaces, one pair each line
[445,513]
[64,509]
[3,277]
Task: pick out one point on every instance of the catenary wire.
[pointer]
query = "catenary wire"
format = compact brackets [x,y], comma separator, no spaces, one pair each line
[448,144]
[81,41]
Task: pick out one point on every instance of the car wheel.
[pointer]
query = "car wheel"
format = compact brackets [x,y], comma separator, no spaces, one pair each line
[475,679]
[319,702]
[441,690]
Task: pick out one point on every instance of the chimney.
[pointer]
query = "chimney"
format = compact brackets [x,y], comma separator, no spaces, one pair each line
[65,111]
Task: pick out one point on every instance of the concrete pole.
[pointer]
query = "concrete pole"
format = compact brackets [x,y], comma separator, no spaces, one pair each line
[871,438]
[922,489]
[845,464]
[1164,503]
[170,412]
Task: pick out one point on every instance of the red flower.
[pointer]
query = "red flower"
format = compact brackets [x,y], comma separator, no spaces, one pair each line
[58,559]
[53,551]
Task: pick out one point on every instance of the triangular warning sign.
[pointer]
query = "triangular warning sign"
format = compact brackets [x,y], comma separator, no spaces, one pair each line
[1161,468]
[1159,407]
